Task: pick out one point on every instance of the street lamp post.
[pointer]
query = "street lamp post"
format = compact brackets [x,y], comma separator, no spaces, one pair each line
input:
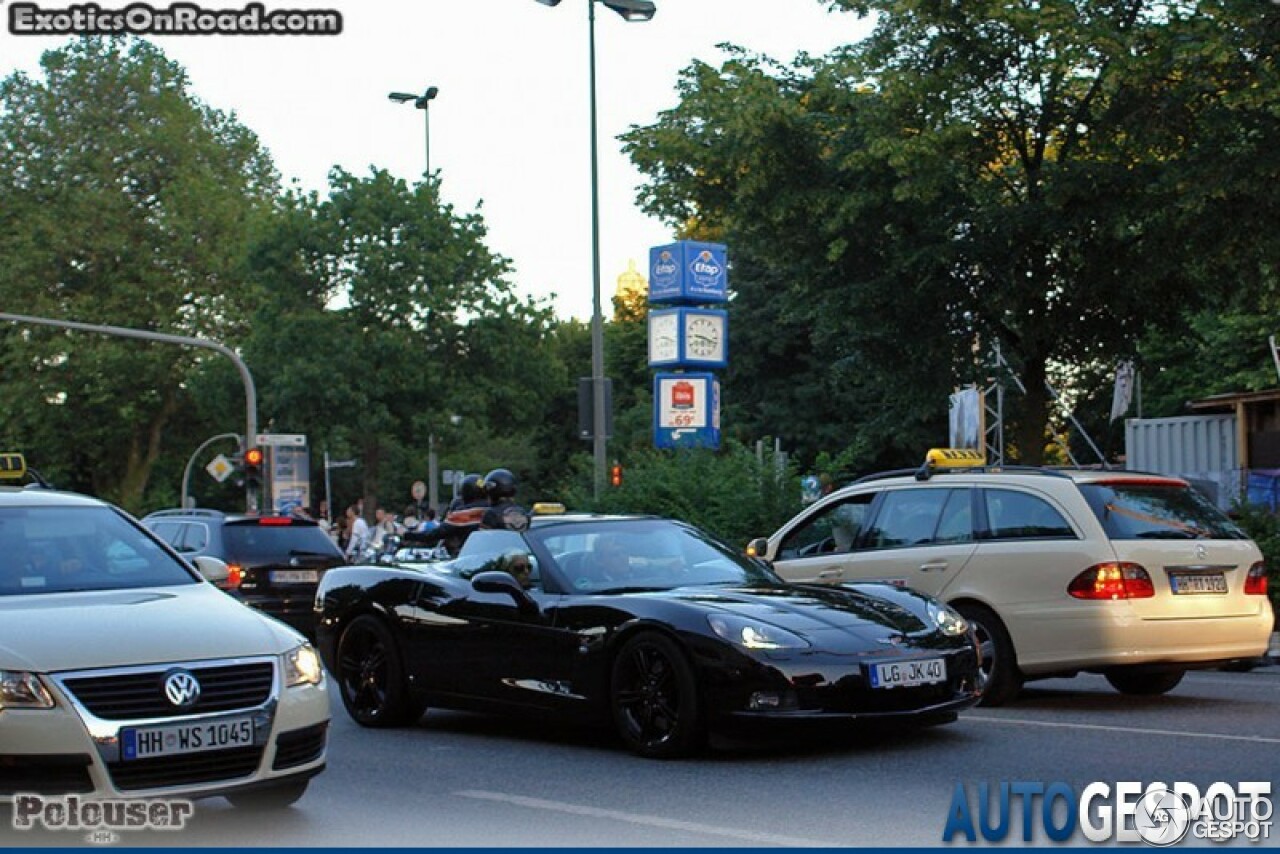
[422,102]
[630,10]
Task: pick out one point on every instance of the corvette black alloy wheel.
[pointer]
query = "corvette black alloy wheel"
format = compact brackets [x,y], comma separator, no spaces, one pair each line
[654,697]
[371,677]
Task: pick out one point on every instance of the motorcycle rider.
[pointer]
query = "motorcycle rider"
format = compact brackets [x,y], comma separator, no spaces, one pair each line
[500,486]
[463,517]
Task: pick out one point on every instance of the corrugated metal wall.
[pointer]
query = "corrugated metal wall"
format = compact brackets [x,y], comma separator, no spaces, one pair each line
[1201,448]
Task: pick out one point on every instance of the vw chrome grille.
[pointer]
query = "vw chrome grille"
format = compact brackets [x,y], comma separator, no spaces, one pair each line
[138,695]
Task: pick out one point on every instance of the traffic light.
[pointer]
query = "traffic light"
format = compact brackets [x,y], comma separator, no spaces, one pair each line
[615,474]
[253,468]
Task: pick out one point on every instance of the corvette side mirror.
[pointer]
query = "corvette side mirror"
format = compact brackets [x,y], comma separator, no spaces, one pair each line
[494,581]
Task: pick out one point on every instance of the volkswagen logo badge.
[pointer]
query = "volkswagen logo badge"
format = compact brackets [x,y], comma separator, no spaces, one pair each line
[182,689]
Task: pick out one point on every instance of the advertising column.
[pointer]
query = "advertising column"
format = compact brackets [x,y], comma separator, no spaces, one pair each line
[687,336]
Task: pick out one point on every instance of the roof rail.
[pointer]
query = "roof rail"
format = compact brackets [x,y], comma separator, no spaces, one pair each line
[928,472]
[190,511]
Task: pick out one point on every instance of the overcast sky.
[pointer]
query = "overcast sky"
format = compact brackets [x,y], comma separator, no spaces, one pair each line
[509,128]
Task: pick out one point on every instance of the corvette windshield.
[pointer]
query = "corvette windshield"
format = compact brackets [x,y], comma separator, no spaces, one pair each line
[65,549]
[644,554]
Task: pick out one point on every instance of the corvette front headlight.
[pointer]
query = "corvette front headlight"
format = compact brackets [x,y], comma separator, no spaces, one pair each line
[302,666]
[947,621]
[22,690]
[753,634]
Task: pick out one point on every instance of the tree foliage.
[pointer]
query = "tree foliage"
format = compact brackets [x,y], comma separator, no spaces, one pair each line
[126,201]
[384,321]
[972,173]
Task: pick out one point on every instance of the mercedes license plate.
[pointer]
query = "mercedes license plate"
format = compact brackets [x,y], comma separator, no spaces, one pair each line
[176,739]
[294,576]
[1200,582]
[906,674]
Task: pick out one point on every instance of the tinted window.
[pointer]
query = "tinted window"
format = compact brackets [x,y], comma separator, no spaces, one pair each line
[170,532]
[835,528]
[253,543]
[1013,515]
[908,517]
[62,549]
[956,525]
[1157,511]
[195,537]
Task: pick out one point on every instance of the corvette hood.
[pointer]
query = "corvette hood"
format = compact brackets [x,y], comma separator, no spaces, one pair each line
[110,628]
[809,610]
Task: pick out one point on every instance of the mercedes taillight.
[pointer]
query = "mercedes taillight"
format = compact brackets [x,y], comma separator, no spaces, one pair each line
[1255,583]
[1112,581]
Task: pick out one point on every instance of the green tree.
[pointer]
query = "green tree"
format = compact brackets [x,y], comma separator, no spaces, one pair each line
[383,319]
[972,173]
[126,201]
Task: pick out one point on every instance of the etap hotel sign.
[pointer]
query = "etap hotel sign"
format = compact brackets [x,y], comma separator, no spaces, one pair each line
[688,272]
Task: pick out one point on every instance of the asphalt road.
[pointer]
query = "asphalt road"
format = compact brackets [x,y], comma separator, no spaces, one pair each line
[468,780]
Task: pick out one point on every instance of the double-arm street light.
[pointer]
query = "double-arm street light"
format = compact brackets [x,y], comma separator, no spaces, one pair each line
[631,10]
[422,102]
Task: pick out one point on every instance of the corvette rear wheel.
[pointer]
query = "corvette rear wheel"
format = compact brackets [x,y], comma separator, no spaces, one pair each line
[655,698]
[372,677]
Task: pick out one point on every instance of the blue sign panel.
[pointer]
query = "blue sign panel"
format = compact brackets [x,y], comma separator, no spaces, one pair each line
[686,411]
[688,272]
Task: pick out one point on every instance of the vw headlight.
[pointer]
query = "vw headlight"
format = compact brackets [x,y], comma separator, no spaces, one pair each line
[302,666]
[22,690]
[753,634]
[947,621]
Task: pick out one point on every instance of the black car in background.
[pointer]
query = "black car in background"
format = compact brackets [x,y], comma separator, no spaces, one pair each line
[644,623]
[275,562]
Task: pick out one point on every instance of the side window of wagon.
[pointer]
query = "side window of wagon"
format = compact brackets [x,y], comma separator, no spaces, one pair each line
[834,528]
[912,517]
[1014,515]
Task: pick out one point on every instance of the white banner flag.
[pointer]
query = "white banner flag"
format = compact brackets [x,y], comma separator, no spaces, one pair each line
[1123,394]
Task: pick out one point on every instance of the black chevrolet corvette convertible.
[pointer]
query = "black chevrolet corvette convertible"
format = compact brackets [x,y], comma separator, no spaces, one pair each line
[645,623]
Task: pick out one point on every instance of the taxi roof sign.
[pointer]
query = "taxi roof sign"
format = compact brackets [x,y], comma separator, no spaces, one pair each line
[950,458]
[12,467]
[955,458]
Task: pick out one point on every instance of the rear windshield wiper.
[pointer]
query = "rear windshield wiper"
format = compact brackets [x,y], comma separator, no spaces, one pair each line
[305,553]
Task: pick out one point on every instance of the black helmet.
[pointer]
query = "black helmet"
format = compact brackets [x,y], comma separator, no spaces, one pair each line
[499,484]
[472,488]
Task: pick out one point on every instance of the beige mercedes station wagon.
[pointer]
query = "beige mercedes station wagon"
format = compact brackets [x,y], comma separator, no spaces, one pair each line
[1134,576]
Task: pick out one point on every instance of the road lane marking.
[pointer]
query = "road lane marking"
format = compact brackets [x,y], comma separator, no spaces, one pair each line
[1219,736]
[646,820]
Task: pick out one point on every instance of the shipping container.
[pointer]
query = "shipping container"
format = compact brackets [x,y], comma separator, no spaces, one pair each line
[1200,448]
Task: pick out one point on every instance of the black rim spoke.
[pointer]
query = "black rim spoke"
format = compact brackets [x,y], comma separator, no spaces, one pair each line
[648,697]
